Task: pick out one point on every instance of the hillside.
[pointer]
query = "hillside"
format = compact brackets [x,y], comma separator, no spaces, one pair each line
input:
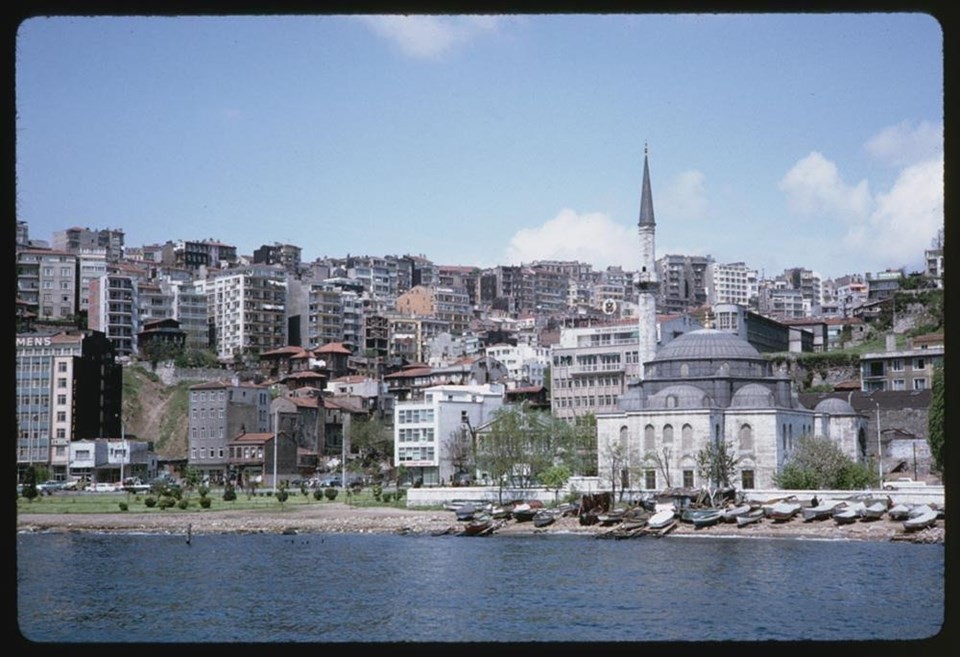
[156,412]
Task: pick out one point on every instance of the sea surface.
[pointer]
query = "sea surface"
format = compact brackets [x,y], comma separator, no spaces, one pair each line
[252,588]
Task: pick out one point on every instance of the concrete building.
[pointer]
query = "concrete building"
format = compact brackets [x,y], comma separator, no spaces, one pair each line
[220,411]
[900,369]
[49,280]
[431,435]
[683,282]
[734,283]
[247,309]
[115,310]
[111,460]
[77,240]
[68,387]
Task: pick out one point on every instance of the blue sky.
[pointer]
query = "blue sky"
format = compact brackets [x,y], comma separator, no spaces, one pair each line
[779,140]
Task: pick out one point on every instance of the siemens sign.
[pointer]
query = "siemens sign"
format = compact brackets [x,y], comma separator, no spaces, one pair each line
[43,341]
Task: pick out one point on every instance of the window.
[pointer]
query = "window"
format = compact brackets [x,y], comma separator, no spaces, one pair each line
[898,384]
[686,438]
[919,364]
[746,438]
[746,479]
[61,400]
[919,384]
[649,440]
[61,367]
[896,365]
[650,479]
[668,434]
[61,416]
[61,382]
[688,478]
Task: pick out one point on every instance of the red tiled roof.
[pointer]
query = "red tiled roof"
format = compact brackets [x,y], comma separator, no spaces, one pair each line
[282,351]
[409,372]
[332,347]
[252,438]
[220,383]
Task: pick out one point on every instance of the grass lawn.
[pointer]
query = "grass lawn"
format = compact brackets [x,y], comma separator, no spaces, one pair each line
[71,502]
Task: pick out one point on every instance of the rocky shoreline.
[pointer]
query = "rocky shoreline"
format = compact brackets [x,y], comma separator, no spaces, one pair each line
[342,518]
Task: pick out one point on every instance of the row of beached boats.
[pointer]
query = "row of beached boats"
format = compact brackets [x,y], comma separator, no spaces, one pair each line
[484,518]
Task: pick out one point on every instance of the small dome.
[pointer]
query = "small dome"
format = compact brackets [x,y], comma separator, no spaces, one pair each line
[679,396]
[753,395]
[707,344]
[834,406]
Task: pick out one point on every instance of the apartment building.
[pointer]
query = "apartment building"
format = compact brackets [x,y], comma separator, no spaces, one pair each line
[909,368]
[247,309]
[114,310]
[77,240]
[683,282]
[49,280]
[733,282]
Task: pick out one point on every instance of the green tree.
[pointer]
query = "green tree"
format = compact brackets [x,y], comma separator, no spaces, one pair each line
[372,440]
[818,463]
[554,478]
[30,483]
[935,423]
[717,463]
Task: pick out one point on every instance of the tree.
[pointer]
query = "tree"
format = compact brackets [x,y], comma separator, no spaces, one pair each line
[372,442]
[935,424]
[554,478]
[717,463]
[662,459]
[30,483]
[818,463]
[615,455]
[459,447]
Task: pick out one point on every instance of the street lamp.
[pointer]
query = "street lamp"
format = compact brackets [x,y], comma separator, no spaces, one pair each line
[276,439]
[879,447]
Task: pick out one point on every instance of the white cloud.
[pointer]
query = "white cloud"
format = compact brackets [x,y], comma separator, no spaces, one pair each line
[429,36]
[906,218]
[684,198]
[904,144]
[592,238]
[813,186]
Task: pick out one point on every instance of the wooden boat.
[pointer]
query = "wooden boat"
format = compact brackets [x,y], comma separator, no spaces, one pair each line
[590,517]
[921,518]
[501,512]
[873,511]
[524,512]
[844,515]
[732,513]
[783,511]
[750,517]
[661,519]
[478,526]
[821,511]
[707,518]
[544,517]
[467,511]
[611,517]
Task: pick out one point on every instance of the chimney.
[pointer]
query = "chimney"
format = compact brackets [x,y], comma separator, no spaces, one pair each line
[891,342]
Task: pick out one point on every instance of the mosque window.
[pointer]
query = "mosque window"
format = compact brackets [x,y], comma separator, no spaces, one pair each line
[746,479]
[650,479]
[686,438]
[746,438]
[667,434]
[671,401]
[649,440]
[688,478]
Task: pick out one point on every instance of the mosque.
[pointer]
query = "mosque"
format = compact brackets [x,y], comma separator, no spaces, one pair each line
[707,387]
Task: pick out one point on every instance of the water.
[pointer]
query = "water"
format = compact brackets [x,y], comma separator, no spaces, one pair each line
[387,588]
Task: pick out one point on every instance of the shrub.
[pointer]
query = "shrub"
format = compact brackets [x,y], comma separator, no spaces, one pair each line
[229,494]
[330,493]
[204,502]
[318,494]
[377,491]
[203,490]
[182,504]
[166,502]
[387,498]
[123,506]
[282,494]
[150,501]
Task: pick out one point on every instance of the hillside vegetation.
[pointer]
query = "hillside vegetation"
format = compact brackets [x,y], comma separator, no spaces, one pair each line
[156,412]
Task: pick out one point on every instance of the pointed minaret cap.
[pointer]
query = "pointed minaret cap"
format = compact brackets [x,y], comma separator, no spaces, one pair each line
[646,196]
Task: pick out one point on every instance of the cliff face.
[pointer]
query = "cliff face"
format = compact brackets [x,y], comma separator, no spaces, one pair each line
[156,412]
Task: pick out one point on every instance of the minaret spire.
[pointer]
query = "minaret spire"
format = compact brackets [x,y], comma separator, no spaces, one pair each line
[646,196]
[647,284]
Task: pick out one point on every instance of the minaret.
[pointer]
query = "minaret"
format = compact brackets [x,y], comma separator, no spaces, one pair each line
[647,283]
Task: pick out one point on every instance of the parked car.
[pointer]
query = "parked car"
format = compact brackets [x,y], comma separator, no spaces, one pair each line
[50,486]
[330,482]
[104,487]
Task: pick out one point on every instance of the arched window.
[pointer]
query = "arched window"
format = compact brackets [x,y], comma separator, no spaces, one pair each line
[623,439]
[667,434]
[671,401]
[649,439]
[684,370]
[686,438]
[746,438]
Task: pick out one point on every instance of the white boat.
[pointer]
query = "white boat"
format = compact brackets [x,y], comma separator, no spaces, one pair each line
[920,518]
[731,514]
[844,515]
[661,519]
[899,512]
[749,518]
[783,511]
[873,511]
[823,510]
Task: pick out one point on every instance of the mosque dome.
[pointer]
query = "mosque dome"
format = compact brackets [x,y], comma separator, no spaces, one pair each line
[679,396]
[834,406]
[753,395]
[707,344]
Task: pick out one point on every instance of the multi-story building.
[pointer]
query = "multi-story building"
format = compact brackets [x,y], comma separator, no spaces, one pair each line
[154,301]
[190,309]
[883,285]
[732,283]
[285,255]
[77,240]
[766,335]
[433,437]
[900,369]
[810,287]
[92,265]
[778,300]
[450,306]
[378,275]
[68,387]
[525,363]
[933,266]
[851,292]
[49,279]
[461,278]
[194,254]
[247,309]
[114,310]
[683,282]
[219,411]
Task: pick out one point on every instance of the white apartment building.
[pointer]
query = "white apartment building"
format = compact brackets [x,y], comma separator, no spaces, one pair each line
[93,265]
[429,436]
[248,309]
[524,362]
[732,283]
[190,309]
[114,310]
[48,279]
